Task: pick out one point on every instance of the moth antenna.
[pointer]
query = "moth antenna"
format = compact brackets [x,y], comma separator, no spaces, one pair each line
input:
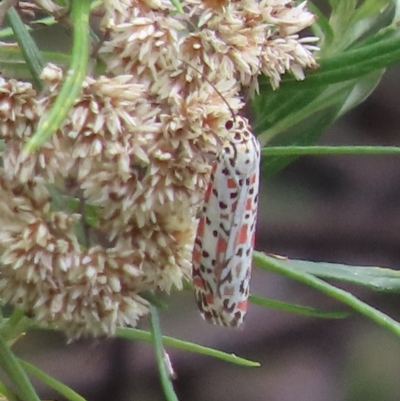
[215,88]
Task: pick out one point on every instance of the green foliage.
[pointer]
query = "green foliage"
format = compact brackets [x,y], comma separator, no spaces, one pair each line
[298,270]
[357,44]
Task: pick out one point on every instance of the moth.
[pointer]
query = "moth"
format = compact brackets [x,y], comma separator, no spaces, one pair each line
[222,254]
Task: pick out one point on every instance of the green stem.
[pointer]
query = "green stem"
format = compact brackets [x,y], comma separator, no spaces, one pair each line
[61,388]
[141,335]
[158,350]
[7,392]
[271,264]
[330,150]
[13,369]
[16,316]
[73,81]
[14,326]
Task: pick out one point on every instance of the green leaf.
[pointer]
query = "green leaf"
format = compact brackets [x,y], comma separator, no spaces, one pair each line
[350,22]
[304,133]
[11,366]
[177,5]
[341,16]
[13,327]
[369,18]
[50,381]
[298,309]
[374,53]
[141,335]
[30,51]
[277,265]
[8,32]
[397,10]
[62,202]
[321,27]
[7,392]
[299,112]
[46,21]
[278,112]
[375,278]
[13,65]
[73,81]
[361,90]
[369,8]
[321,112]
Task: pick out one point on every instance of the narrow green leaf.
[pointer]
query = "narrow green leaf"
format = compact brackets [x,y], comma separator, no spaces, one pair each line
[13,327]
[73,81]
[386,33]
[277,111]
[329,150]
[301,118]
[321,27]
[397,10]
[166,380]
[291,112]
[375,278]
[30,51]
[141,335]
[46,21]
[13,65]
[369,8]
[361,90]
[7,392]
[353,23]
[305,133]
[278,266]
[341,16]
[298,309]
[8,32]
[177,5]
[50,381]
[9,363]
[374,53]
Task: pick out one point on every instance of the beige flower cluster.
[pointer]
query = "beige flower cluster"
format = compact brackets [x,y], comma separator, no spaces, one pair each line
[106,210]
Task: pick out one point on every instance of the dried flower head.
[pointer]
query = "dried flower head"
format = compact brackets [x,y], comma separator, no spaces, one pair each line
[106,210]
